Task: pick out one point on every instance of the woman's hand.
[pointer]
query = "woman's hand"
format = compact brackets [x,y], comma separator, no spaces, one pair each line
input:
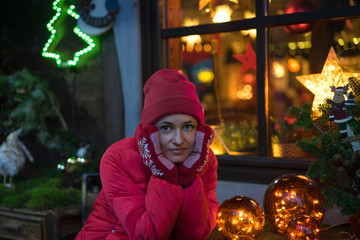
[149,146]
[198,158]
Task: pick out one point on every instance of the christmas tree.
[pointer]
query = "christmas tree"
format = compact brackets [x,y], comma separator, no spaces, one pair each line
[334,146]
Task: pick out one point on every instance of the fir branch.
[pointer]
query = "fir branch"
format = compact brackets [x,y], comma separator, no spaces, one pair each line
[354,84]
[303,116]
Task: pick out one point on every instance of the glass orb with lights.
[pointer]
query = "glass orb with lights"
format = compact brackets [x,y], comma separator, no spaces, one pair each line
[240,217]
[303,228]
[292,195]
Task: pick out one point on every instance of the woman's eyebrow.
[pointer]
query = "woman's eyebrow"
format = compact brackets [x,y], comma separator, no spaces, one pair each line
[190,121]
[165,122]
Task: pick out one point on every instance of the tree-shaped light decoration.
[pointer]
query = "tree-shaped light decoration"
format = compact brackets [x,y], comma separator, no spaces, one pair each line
[47,53]
[292,195]
[240,217]
[319,84]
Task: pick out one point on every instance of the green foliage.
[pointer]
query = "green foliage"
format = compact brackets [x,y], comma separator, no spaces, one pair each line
[16,200]
[5,191]
[303,115]
[240,136]
[28,102]
[348,203]
[354,85]
[323,145]
[41,193]
[45,197]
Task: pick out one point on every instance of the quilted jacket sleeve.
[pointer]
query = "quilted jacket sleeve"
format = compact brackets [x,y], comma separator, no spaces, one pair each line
[197,217]
[149,214]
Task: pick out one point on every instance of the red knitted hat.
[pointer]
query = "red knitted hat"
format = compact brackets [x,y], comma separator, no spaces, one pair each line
[169,92]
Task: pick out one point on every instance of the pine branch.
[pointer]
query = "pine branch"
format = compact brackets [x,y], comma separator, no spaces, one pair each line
[354,84]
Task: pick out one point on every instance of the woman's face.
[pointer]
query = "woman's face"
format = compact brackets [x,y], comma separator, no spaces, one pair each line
[177,136]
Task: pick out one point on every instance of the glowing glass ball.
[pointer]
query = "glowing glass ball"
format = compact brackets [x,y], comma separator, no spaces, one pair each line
[292,195]
[303,228]
[240,217]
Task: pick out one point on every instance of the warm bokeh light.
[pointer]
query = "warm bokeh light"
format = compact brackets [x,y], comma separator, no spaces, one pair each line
[250,32]
[291,195]
[222,14]
[240,217]
[303,228]
[206,75]
[191,40]
[207,47]
[278,69]
[249,78]
[245,93]
[293,65]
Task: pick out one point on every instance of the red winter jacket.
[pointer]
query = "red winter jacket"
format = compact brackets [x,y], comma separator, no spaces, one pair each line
[133,204]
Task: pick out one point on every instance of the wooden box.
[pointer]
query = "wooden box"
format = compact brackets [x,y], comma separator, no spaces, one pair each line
[56,224]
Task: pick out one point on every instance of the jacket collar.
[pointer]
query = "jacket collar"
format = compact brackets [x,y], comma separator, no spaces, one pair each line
[137,136]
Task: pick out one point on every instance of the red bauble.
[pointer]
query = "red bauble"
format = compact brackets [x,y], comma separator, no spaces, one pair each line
[299,6]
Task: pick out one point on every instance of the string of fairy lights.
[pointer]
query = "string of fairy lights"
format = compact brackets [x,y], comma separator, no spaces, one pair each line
[47,53]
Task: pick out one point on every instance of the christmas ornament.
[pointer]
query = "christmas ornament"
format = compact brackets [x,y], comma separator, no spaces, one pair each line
[13,154]
[96,16]
[299,6]
[303,228]
[240,217]
[49,48]
[340,115]
[248,59]
[332,75]
[291,195]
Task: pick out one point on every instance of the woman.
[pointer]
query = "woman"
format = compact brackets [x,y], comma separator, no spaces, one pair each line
[159,184]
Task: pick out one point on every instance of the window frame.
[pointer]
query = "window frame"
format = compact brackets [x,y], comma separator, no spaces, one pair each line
[260,168]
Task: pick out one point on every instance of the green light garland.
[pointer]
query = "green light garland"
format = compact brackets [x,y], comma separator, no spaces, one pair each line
[57,57]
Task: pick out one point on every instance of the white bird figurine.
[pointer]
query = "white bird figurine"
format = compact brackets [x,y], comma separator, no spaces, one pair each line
[13,155]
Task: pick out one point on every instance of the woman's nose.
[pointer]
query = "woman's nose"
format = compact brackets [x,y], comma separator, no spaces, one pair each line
[178,137]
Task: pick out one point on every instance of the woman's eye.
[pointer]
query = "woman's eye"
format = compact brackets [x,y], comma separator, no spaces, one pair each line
[188,127]
[165,128]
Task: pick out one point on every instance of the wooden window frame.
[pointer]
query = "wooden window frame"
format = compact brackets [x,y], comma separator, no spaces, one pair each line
[260,168]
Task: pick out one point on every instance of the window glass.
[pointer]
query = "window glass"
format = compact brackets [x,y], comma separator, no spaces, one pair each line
[186,13]
[302,67]
[278,7]
[223,68]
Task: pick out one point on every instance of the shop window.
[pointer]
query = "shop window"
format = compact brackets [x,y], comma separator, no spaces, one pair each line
[221,59]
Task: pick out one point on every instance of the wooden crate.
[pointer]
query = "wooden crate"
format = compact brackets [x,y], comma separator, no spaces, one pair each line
[56,224]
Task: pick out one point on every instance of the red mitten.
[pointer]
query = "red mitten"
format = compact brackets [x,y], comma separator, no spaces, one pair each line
[149,146]
[198,158]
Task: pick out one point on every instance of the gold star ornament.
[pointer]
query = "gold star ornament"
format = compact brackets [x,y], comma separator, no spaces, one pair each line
[319,84]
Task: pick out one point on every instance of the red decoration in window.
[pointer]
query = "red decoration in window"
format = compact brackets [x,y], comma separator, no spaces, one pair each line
[248,59]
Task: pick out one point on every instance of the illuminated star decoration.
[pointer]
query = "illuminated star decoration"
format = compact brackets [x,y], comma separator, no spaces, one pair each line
[51,41]
[248,59]
[319,84]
